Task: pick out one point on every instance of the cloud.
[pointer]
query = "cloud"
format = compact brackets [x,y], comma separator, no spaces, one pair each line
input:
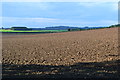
[60,0]
[13,21]
[44,22]
[114,6]
[18,19]
[110,5]
[89,4]
[109,22]
[39,5]
[27,5]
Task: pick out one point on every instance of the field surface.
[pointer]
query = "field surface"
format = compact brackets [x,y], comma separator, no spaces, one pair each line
[92,53]
[32,30]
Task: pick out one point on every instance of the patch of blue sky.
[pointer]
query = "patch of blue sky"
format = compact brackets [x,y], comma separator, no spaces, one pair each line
[42,14]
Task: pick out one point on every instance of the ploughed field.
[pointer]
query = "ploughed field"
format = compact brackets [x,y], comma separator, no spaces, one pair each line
[60,49]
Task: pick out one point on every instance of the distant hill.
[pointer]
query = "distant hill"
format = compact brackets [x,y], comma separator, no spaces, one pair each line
[55,28]
[64,28]
[70,28]
[60,28]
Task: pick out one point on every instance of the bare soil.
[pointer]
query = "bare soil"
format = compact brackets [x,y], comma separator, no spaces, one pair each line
[61,49]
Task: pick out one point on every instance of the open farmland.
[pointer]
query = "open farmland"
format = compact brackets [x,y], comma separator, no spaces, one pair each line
[67,54]
[20,31]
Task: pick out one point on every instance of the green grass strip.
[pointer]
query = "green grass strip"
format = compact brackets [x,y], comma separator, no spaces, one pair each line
[2,30]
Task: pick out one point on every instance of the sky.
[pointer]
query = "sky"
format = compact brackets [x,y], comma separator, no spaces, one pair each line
[47,14]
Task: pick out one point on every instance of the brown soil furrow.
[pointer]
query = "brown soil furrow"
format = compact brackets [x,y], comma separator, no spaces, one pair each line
[61,48]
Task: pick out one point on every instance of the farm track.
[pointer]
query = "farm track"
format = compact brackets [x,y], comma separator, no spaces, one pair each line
[61,49]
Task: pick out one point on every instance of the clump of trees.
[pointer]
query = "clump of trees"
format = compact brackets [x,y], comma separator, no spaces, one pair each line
[20,28]
[69,29]
[118,25]
[2,28]
[92,28]
[77,29]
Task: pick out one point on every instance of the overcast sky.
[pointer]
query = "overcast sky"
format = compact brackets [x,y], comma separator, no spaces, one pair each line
[43,14]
